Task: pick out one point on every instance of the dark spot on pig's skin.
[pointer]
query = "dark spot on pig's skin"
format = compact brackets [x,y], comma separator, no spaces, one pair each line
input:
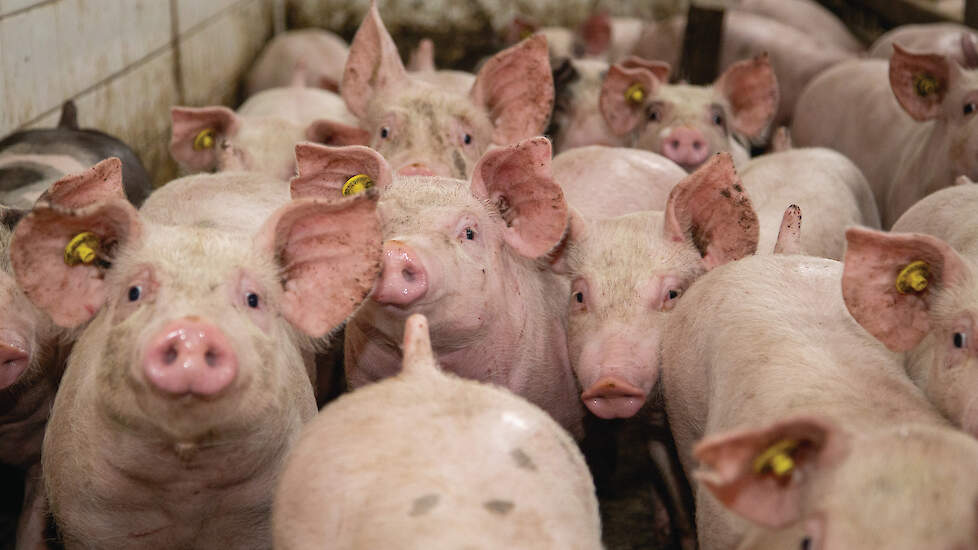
[459,164]
[423,504]
[725,193]
[738,188]
[501,507]
[523,460]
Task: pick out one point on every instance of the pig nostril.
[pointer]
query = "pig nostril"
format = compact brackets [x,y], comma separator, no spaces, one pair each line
[170,355]
[675,143]
[211,358]
[697,145]
[408,275]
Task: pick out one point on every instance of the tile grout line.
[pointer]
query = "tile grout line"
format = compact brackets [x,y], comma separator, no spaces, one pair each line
[177,58]
[17,12]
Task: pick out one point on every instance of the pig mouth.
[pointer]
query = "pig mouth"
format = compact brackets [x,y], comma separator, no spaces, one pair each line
[611,397]
[15,357]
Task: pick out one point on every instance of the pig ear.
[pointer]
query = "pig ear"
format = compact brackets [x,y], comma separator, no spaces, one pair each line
[660,69]
[596,31]
[336,134]
[70,290]
[99,183]
[417,352]
[877,263]
[969,51]
[760,474]
[373,64]
[325,171]
[789,236]
[623,96]
[751,89]
[519,29]
[710,209]
[577,228]
[197,135]
[518,182]
[328,253]
[919,82]
[516,87]
[423,57]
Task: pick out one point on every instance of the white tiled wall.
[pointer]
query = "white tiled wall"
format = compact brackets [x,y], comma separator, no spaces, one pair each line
[125,63]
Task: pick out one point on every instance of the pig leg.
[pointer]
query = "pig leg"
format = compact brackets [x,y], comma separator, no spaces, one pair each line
[33,515]
[675,492]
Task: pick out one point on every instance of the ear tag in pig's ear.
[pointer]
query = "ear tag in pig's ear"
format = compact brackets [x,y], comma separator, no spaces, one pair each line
[357,184]
[81,249]
[777,459]
[204,139]
[635,94]
[913,277]
[925,85]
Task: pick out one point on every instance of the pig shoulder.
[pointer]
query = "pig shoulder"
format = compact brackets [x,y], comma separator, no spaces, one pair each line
[948,215]
[940,38]
[298,105]
[605,182]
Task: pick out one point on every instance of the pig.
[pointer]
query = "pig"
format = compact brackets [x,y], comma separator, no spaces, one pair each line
[914,290]
[796,56]
[688,124]
[828,188]
[313,56]
[471,256]
[470,465]
[927,104]
[31,160]
[141,453]
[628,272]
[599,37]
[261,136]
[951,40]
[604,182]
[808,16]
[422,66]
[577,119]
[809,423]
[423,129]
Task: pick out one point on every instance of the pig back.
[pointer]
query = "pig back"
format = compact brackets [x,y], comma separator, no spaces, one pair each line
[830,190]
[948,215]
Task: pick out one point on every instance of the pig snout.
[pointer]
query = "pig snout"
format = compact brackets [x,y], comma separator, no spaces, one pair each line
[415,169]
[685,146]
[14,359]
[403,279]
[190,357]
[612,397]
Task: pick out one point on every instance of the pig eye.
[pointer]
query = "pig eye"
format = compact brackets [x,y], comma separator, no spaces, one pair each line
[969,108]
[469,233]
[654,115]
[717,119]
[674,293]
[385,132]
[960,340]
[252,300]
[135,292]
[579,296]
[806,543]
[467,139]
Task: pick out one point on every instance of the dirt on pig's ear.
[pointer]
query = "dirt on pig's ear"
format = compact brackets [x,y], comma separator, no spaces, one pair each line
[920,82]
[337,172]
[99,183]
[518,183]
[329,255]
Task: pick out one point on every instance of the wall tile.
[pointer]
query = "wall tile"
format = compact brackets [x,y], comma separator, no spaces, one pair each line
[30,65]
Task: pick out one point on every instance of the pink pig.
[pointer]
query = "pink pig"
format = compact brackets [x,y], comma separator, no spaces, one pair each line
[425,459]
[424,129]
[952,40]
[789,416]
[927,105]
[914,290]
[472,257]
[688,124]
[187,384]
[312,56]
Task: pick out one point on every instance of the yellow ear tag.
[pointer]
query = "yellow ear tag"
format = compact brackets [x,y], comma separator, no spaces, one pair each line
[204,140]
[357,184]
[635,94]
[913,278]
[925,84]
[81,249]
[777,458]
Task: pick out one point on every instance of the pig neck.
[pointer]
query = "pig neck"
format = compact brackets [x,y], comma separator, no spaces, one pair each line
[924,167]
